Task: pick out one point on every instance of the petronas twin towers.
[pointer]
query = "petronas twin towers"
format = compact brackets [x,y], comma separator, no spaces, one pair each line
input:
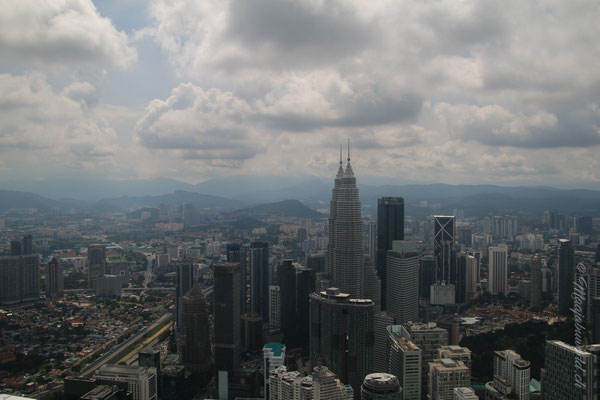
[350,270]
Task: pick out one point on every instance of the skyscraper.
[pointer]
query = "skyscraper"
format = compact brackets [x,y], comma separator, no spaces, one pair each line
[27,244]
[185,281]
[195,340]
[498,270]
[227,317]
[444,249]
[535,294]
[381,321]
[305,285]
[259,279]
[405,361]
[566,272]
[287,283]
[426,276]
[569,373]
[390,227]
[472,277]
[461,278]
[403,282]
[96,258]
[19,279]
[372,241]
[54,280]
[345,247]
[341,335]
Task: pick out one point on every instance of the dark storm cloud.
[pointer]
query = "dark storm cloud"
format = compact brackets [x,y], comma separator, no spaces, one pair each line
[355,112]
[298,32]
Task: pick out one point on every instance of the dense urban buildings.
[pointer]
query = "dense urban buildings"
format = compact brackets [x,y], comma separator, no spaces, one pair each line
[55,280]
[405,361]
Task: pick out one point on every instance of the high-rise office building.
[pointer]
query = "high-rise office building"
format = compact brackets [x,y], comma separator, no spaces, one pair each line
[405,362]
[402,282]
[287,283]
[498,270]
[535,292]
[426,276]
[227,317]
[429,338]
[19,279]
[345,246]
[96,258]
[27,244]
[185,281]
[341,335]
[472,277]
[597,257]
[569,373]
[15,248]
[259,279]
[461,278]
[444,376]
[380,386]
[381,320]
[317,262]
[195,336]
[252,332]
[54,280]
[444,248]
[274,307]
[566,273]
[372,241]
[305,285]
[390,227]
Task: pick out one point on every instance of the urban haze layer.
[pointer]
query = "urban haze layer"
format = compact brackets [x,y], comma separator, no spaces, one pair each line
[408,298]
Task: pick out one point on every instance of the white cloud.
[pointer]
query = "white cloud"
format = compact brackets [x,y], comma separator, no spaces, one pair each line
[63,32]
[50,131]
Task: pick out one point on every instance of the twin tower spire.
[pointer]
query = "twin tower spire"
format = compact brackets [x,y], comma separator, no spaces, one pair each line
[348,171]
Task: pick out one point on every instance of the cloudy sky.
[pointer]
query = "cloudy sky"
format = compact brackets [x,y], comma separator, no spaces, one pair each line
[453,91]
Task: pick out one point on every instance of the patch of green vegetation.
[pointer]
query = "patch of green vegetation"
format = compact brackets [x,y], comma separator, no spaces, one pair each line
[527,339]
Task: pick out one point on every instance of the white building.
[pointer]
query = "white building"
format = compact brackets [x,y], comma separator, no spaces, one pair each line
[141,381]
[405,362]
[444,376]
[273,358]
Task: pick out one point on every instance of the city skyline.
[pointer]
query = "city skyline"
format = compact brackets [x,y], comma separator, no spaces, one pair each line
[469,93]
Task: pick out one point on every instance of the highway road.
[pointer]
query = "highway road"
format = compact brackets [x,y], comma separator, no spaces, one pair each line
[92,367]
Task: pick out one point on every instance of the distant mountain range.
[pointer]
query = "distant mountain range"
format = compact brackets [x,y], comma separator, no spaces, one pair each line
[237,193]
